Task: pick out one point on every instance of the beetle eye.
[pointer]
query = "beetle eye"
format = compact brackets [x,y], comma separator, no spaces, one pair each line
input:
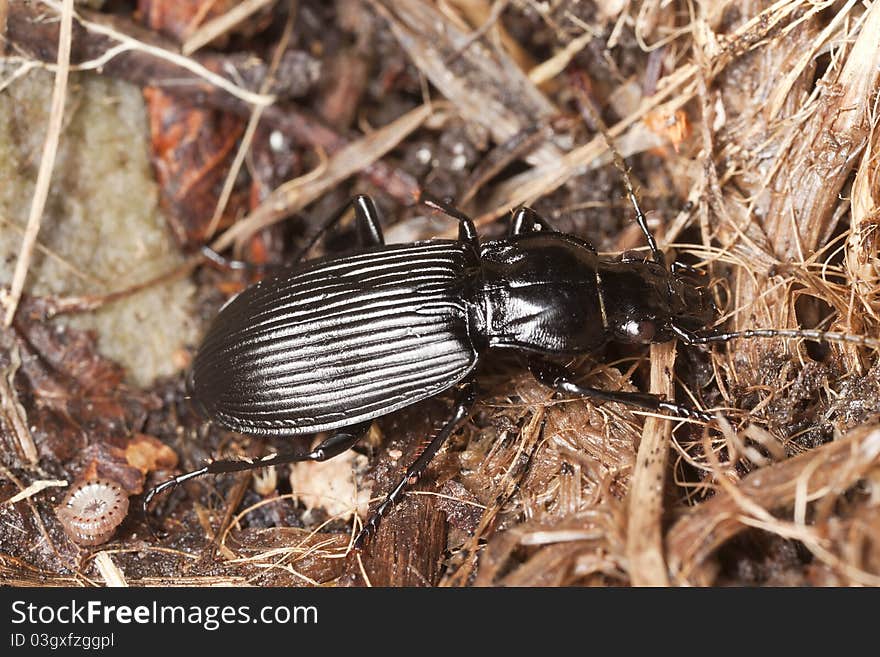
[640,331]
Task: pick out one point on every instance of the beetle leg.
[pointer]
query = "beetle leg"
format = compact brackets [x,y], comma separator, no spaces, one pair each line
[467,232]
[369,228]
[369,232]
[332,446]
[467,396]
[525,219]
[557,377]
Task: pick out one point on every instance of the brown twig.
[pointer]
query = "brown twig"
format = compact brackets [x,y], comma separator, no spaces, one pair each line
[49,307]
[220,25]
[498,8]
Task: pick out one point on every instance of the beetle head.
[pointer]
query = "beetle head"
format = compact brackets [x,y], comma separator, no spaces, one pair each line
[644,302]
[693,308]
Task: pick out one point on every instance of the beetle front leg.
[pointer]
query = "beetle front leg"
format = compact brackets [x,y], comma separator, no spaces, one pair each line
[467,396]
[559,378]
[337,443]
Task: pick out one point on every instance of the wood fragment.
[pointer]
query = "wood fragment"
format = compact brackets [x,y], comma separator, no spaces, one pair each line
[644,545]
[485,85]
[408,548]
[111,573]
[791,185]
[814,167]
[781,91]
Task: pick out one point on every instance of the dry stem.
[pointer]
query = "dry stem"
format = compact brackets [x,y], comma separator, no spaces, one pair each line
[47,162]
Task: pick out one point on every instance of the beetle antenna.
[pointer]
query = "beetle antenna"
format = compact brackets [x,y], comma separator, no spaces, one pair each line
[813,335]
[590,115]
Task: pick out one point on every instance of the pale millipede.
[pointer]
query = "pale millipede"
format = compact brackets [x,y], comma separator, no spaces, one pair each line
[92,510]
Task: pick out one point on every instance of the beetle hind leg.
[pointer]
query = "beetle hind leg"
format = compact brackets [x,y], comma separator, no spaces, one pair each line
[467,396]
[467,232]
[367,223]
[557,377]
[334,445]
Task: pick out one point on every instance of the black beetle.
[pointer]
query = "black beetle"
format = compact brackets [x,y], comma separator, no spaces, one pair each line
[333,343]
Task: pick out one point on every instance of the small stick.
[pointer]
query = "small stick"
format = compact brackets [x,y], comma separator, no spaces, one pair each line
[35,488]
[253,121]
[13,411]
[113,576]
[47,162]
[644,540]
[217,26]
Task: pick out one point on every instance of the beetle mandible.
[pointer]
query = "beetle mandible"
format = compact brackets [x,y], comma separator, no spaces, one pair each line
[333,343]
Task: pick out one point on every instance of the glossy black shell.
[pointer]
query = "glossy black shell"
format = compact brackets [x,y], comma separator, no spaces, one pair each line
[338,341]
